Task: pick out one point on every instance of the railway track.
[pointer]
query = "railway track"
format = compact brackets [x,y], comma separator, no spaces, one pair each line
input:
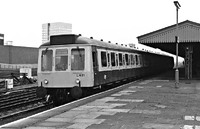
[19,102]
[29,104]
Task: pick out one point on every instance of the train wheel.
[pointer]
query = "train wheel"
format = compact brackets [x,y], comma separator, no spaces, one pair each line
[76,92]
[41,92]
[61,96]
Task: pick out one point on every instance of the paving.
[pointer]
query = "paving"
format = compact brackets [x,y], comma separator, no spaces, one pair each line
[150,104]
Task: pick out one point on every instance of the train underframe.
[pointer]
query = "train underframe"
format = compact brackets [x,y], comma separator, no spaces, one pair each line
[62,95]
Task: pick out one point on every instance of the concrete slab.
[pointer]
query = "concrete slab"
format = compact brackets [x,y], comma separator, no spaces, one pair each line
[152,104]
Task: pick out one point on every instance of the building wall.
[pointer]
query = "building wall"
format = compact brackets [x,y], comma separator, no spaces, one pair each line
[4,54]
[18,55]
[1,39]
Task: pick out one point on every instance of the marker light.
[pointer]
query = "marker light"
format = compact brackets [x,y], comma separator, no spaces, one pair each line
[77,81]
[46,81]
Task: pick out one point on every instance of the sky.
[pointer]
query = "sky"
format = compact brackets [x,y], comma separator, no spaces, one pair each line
[118,21]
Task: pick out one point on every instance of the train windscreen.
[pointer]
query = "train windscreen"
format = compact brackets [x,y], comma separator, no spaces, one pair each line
[46,60]
[61,60]
[77,59]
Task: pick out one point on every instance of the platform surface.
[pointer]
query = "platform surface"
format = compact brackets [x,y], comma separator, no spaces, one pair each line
[150,104]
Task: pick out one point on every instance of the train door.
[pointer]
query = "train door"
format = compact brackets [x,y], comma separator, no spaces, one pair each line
[95,66]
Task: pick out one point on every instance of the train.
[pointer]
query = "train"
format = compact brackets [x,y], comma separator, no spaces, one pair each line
[70,65]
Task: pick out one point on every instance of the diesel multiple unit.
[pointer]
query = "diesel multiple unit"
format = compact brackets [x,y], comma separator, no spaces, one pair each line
[70,65]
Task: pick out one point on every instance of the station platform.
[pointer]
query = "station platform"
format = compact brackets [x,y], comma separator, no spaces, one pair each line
[153,103]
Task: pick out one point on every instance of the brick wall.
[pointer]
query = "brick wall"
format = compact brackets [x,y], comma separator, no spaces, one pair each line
[18,55]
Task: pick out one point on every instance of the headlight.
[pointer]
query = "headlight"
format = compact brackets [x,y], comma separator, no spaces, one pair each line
[46,81]
[77,81]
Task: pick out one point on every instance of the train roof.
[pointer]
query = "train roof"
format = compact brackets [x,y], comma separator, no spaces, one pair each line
[77,39]
[70,39]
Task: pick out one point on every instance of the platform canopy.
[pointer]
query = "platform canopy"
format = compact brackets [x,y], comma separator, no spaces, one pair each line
[189,43]
[188,32]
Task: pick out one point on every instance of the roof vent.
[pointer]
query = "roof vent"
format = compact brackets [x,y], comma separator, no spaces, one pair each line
[116,43]
[79,35]
[101,39]
[109,41]
[122,44]
[91,37]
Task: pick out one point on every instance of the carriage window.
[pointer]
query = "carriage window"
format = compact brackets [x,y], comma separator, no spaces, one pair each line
[127,59]
[108,56]
[120,59]
[117,59]
[61,60]
[113,59]
[123,60]
[132,60]
[47,59]
[103,59]
[77,59]
[136,59]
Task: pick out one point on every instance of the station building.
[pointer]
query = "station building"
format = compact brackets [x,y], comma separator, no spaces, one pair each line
[15,57]
[18,55]
[189,44]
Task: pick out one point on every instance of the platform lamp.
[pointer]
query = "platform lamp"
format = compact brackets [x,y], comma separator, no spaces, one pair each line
[176,3]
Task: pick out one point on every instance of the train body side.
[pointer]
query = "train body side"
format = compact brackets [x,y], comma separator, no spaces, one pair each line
[148,64]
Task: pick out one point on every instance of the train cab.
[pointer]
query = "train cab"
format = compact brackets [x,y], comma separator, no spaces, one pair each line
[65,67]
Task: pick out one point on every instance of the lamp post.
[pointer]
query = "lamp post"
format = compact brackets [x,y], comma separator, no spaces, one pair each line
[176,3]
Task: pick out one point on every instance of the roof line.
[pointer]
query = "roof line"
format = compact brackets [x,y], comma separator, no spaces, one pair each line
[186,21]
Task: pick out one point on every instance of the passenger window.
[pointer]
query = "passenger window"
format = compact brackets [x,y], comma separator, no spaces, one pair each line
[120,59]
[113,59]
[117,59]
[78,59]
[46,60]
[103,59]
[108,56]
[132,60]
[126,59]
[61,60]
[136,59]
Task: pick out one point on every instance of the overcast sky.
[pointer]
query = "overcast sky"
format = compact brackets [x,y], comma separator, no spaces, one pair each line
[112,20]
